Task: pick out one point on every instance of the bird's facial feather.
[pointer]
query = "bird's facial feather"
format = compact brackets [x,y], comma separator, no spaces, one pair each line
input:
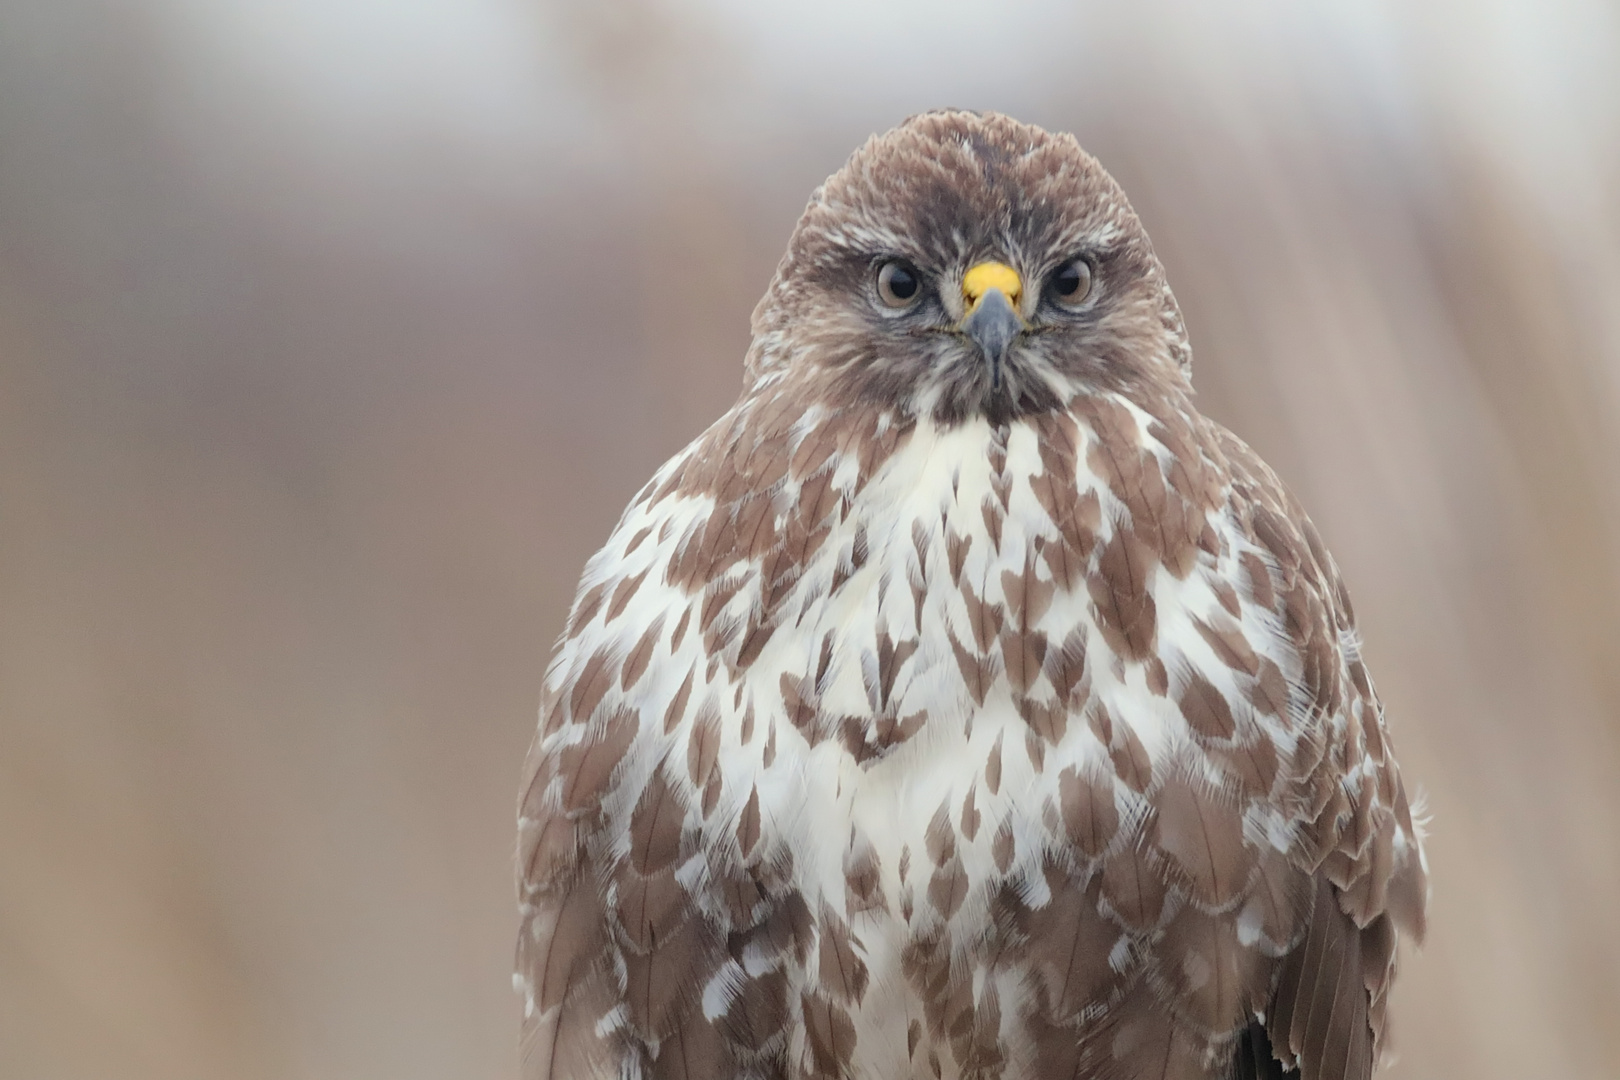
[943,195]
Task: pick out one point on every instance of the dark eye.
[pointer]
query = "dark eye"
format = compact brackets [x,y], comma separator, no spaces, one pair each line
[899,285]
[1071,285]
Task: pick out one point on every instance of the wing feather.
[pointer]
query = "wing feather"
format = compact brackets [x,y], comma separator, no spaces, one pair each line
[1356,840]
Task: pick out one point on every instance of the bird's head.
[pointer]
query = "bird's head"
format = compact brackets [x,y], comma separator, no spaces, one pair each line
[964,264]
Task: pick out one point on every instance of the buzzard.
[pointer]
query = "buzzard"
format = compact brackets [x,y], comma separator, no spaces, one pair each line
[962,703]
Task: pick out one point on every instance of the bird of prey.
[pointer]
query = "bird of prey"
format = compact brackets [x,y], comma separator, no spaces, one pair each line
[963,703]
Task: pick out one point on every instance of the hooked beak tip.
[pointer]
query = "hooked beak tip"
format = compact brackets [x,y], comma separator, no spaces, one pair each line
[993,324]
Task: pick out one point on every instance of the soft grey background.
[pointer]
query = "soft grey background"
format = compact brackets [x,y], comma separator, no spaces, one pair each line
[335,333]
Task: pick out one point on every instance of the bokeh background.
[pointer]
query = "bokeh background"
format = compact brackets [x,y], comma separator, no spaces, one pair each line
[335,333]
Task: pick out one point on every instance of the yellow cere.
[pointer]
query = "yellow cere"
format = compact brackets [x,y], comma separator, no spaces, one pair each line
[990,275]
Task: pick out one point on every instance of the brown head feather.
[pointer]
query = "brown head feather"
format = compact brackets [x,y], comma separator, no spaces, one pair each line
[946,190]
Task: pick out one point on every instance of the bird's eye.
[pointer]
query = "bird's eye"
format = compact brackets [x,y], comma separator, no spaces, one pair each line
[899,285]
[1071,285]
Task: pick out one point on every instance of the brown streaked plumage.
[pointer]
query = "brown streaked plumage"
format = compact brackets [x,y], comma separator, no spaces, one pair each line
[963,703]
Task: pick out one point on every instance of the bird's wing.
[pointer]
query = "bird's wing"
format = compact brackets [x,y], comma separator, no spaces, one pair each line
[1254,1058]
[615,948]
[1355,833]
[576,769]
[563,960]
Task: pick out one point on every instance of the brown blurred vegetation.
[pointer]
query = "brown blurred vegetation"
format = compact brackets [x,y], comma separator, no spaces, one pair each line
[333,337]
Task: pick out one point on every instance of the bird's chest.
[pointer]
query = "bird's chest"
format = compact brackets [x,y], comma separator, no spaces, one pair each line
[917,708]
[884,698]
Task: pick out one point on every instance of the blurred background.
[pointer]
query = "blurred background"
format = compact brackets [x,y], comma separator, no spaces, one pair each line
[334,334]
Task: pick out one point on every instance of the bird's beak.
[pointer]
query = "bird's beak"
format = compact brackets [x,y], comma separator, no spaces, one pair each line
[990,293]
